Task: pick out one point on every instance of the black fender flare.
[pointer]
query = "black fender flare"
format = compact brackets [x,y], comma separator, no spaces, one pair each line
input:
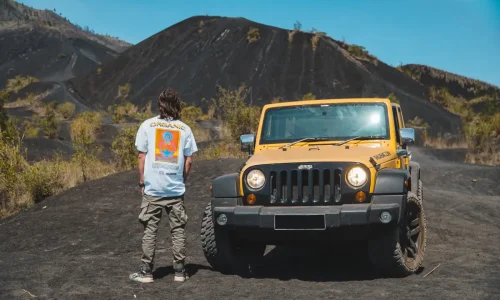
[226,186]
[391,181]
[414,175]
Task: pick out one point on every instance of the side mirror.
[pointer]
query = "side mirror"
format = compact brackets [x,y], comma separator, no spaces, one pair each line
[247,142]
[407,135]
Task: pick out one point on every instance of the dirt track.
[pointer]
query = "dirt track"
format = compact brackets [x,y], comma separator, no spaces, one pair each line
[86,241]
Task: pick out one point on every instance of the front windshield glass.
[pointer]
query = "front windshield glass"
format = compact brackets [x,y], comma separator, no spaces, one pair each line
[332,121]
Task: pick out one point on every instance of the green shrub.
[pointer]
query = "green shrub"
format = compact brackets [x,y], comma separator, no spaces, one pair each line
[121,113]
[190,114]
[253,34]
[50,124]
[84,130]
[124,149]
[66,109]
[12,185]
[309,96]
[230,107]
[393,98]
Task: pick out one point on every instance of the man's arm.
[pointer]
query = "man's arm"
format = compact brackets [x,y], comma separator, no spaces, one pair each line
[141,161]
[188,160]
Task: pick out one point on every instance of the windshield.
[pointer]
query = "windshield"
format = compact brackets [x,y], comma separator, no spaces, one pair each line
[332,121]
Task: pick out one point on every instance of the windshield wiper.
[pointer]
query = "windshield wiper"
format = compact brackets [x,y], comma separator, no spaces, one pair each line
[309,139]
[361,137]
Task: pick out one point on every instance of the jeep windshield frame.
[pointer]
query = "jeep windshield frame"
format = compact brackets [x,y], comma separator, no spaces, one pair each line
[332,121]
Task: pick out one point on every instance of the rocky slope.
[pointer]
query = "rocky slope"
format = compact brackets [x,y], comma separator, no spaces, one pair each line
[42,44]
[457,85]
[199,53]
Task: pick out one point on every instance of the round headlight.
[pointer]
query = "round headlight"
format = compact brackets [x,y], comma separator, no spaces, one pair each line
[356,176]
[256,179]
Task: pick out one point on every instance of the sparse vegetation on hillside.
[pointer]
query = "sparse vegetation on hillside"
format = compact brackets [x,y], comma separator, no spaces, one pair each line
[66,109]
[84,129]
[128,112]
[393,98]
[315,39]
[50,124]
[19,82]
[123,91]
[124,148]
[308,96]
[22,183]
[253,34]
[230,107]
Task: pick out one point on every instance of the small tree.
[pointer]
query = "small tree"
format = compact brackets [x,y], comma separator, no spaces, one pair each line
[297,26]
[84,130]
[50,124]
[124,148]
[230,107]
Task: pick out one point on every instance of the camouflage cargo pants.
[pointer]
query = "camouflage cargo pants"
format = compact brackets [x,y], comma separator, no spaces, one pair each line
[150,217]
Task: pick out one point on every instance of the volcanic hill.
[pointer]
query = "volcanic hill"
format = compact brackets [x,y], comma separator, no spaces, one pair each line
[199,53]
[43,44]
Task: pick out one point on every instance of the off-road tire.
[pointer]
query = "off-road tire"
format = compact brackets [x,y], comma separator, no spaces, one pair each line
[420,190]
[223,253]
[388,251]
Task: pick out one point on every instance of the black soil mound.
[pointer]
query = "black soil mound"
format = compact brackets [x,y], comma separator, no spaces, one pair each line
[42,148]
[83,244]
[199,53]
[43,44]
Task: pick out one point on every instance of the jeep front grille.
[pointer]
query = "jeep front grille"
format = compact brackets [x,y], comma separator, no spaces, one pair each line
[305,186]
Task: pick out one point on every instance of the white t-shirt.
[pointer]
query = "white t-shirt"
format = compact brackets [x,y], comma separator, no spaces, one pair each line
[166,142]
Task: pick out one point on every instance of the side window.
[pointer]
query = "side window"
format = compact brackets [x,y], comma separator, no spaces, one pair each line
[401,117]
[396,124]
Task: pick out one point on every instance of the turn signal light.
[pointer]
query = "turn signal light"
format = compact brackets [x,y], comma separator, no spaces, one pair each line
[251,199]
[360,196]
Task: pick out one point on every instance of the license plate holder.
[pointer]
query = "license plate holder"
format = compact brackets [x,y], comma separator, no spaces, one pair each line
[299,222]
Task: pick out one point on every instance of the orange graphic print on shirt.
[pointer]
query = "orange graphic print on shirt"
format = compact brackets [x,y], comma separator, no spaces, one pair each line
[167,145]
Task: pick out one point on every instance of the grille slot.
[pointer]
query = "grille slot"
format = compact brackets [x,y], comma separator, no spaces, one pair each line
[305,187]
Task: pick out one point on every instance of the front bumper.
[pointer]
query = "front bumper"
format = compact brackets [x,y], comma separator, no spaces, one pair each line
[308,217]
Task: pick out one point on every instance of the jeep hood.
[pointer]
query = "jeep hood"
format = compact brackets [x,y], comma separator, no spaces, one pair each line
[324,153]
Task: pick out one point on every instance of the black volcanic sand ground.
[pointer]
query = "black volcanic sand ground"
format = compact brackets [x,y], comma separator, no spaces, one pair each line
[83,243]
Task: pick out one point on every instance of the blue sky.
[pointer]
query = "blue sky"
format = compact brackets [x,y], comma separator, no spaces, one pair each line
[460,36]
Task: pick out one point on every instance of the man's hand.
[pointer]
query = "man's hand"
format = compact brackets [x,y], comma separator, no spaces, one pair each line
[188,160]
[141,162]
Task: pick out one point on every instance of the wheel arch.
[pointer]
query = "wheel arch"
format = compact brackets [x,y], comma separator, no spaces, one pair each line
[391,181]
[226,186]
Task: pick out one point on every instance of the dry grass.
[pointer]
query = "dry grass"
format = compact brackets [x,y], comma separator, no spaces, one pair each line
[19,82]
[316,38]
[443,142]
[221,149]
[253,34]
[33,183]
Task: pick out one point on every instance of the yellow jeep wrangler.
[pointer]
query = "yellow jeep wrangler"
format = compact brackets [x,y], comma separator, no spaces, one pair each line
[321,171]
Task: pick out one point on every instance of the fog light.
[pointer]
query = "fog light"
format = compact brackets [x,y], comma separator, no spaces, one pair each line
[385,217]
[222,219]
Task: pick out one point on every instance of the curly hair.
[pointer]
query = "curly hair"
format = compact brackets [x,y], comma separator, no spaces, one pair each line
[169,104]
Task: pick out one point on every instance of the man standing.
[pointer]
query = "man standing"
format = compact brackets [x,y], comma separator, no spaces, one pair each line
[165,146]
